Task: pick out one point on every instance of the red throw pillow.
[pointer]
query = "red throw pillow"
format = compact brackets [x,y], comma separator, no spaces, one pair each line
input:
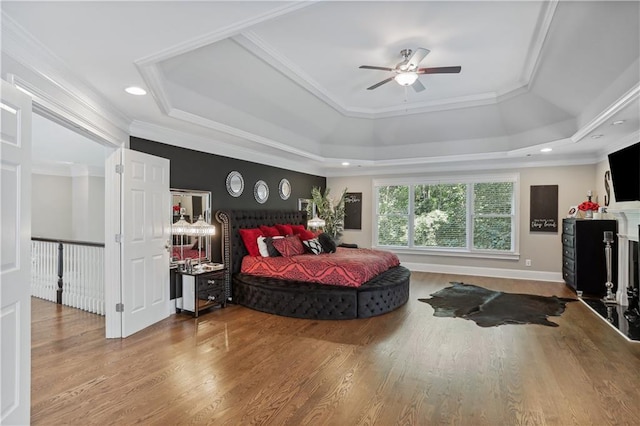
[305,234]
[297,228]
[250,239]
[269,231]
[285,229]
[289,246]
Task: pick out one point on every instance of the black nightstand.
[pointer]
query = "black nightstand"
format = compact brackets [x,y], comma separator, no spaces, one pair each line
[203,290]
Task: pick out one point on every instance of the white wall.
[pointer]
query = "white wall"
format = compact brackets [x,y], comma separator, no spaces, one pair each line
[88,208]
[51,207]
[544,249]
[68,208]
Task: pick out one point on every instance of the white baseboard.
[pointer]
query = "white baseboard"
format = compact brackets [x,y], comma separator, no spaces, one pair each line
[517,274]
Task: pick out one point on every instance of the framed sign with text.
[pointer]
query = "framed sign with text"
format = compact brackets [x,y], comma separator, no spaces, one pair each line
[543,212]
[353,210]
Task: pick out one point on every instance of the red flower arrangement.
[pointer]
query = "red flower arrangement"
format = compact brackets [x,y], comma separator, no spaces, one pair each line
[589,205]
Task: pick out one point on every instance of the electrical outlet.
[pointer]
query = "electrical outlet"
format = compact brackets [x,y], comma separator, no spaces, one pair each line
[527,262]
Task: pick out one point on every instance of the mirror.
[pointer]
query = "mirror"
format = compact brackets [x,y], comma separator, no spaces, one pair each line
[284,189]
[189,205]
[235,184]
[261,191]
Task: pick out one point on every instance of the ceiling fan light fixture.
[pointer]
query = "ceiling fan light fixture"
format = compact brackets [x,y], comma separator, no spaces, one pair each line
[406,78]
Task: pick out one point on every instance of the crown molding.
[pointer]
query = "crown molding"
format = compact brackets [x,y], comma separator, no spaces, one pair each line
[621,103]
[39,60]
[538,42]
[66,170]
[259,47]
[211,146]
[214,125]
[241,34]
[263,50]
[222,33]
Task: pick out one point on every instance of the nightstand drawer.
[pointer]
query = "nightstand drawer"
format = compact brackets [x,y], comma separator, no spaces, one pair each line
[211,289]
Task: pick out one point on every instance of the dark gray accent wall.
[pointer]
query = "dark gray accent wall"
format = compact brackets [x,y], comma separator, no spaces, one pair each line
[202,171]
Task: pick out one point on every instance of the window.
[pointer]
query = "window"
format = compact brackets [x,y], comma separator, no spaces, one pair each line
[467,215]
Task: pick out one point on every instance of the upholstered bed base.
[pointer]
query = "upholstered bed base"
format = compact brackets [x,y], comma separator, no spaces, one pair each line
[380,295]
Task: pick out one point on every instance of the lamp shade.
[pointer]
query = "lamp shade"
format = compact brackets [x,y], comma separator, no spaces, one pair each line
[200,227]
[406,78]
[181,227]
[316,223]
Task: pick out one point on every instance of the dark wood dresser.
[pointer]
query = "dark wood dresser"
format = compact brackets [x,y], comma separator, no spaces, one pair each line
[583,259]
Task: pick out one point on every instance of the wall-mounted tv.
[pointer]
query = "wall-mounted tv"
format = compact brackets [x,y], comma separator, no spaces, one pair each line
[625,173]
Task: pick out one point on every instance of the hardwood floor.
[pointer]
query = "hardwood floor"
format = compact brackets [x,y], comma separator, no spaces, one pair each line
[238,366]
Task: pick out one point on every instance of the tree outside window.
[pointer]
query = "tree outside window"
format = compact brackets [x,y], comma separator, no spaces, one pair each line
[469,216]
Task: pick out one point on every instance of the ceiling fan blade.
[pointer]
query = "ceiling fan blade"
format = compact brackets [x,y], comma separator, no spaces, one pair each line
[380,83]
[417,57]
[417,86]
[439,70]
[371,67]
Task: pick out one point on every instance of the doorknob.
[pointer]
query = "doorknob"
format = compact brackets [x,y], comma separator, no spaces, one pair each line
[167,246]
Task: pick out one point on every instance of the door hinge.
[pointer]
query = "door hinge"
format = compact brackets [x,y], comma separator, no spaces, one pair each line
[119,307]
[119,169]
[118,238]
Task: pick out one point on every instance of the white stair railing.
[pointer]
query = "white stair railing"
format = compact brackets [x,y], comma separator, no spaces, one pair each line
[68,272]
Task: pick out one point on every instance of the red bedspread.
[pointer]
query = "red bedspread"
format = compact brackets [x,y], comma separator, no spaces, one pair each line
[347,267]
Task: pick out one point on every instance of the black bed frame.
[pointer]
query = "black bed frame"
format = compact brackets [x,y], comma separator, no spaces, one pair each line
[298,299]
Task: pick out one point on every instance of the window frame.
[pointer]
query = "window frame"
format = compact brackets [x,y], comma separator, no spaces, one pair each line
[469,180]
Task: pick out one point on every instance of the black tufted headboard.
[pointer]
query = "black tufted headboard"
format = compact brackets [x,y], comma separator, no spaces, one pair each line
[233,249]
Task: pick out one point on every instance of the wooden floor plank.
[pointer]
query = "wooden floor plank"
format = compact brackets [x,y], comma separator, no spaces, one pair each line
[238,366]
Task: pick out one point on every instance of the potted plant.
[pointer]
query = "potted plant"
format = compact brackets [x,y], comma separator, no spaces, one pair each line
[329,210]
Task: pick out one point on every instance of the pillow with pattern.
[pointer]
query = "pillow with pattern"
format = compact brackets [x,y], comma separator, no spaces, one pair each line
[271,250]
[313,246]
[327,243]
[289,246]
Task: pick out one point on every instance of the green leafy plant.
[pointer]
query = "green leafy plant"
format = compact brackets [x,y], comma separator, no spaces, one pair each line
[330,210]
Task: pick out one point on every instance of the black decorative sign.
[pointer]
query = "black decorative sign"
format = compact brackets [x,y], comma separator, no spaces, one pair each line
[353,210]
[543,215]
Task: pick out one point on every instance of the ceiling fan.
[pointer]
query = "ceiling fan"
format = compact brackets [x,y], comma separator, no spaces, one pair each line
[407,71]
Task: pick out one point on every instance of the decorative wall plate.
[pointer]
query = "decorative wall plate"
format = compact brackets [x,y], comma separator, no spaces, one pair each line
[235,183]
[285,189]
[261,191]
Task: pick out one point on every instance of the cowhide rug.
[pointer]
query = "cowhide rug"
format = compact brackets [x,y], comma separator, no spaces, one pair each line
[490,308]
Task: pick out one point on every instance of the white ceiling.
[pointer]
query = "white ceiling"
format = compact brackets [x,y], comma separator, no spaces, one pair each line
[281,79]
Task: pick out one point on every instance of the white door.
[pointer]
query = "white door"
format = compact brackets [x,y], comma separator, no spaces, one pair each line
[146,228]
[15,256]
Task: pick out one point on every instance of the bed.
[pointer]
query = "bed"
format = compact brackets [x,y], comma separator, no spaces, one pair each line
[383,293]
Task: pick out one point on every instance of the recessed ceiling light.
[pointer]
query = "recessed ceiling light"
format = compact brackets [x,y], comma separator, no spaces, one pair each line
[546,150]
[134,90]
[345,163]
[618,122]
[596,136]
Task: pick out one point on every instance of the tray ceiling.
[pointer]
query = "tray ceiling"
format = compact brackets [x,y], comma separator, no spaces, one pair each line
[283,77]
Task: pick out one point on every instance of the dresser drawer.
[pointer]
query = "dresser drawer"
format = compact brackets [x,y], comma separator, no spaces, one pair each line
[568,264]
[568,240]
[569,252]
[568,227]
[569,277]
